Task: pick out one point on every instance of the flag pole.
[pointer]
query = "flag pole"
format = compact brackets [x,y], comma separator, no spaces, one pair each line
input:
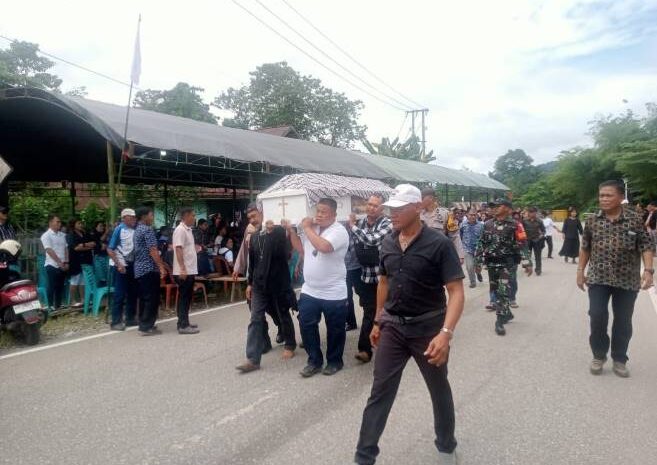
[125,150]
[134,78]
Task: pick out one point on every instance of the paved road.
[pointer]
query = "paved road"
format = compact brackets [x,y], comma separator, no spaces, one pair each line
[524,399]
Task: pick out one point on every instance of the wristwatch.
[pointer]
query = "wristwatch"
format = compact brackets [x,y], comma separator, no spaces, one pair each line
[649,270]
[376,323]
[449,332]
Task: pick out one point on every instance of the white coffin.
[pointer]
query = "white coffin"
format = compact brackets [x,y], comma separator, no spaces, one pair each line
[293,205]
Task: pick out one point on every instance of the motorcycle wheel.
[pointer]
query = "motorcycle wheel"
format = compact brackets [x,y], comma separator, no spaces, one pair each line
[32,334]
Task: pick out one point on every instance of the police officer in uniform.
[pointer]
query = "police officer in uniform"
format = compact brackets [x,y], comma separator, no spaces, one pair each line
[501,247]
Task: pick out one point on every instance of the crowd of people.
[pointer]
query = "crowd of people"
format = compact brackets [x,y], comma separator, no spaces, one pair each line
[403,259]
[139,260]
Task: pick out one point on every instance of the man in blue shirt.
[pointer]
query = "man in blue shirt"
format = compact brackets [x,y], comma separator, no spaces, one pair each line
[122,252]
[149,269]
[470,234]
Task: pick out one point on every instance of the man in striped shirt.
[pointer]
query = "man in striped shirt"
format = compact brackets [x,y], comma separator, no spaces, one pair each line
[367,237]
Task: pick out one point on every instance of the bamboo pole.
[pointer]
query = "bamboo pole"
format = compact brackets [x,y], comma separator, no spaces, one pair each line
[110,178]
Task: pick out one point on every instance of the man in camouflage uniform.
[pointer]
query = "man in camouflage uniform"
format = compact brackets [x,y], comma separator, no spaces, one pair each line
[500,247]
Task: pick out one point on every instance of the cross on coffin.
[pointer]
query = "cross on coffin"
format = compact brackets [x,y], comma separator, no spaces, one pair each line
[282,204]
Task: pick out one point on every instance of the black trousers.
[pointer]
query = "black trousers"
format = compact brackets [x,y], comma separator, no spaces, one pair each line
[149,300]
[536,247]
[550,245]
[55,291]
[353,284]
[185,291]
[622,304]
[368,302]
[395,348]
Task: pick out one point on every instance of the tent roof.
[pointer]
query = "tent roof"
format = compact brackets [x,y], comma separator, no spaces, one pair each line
[415,171]
[36,125]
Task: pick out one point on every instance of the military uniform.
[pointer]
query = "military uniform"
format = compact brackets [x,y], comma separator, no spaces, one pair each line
[500,249]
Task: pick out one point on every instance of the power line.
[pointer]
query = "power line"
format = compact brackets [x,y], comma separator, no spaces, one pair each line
[340,65]
[402,125]
[351,57]
[75,65]
[264,23]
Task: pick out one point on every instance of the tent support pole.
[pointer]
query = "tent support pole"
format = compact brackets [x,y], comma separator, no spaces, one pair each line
[250,185]
[166,204]
[470,196]
[112,187]
[71,191]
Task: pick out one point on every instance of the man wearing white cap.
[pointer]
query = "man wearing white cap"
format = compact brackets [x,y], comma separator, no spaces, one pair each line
[414,318]
[121,250]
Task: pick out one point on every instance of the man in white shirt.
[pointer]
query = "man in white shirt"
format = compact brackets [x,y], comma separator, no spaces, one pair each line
[54,244]
[324,292]
[550,228]
[185,268]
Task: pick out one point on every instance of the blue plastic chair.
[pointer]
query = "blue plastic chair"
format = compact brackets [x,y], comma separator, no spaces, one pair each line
[93,294]
[101,268]
[42,284]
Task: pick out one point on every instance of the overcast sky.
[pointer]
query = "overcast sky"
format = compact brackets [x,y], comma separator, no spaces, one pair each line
[495,75]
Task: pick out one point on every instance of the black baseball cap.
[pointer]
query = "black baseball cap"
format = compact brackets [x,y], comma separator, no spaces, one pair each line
[4,210]
[501,201]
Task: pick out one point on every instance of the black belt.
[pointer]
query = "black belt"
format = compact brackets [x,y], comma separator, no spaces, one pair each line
[407,320]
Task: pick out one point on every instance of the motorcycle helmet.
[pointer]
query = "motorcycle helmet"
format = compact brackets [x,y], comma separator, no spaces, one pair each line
[11,249]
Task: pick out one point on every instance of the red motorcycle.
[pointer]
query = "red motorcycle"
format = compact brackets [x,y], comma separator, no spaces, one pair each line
[20,309]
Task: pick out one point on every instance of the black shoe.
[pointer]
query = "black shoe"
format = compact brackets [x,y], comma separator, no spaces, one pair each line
[499,327]
[473,285]
[247,367]
[192,326]
[351,327]
[330,370]
[150,332]
[118,327]
[508,317]
[538,272]
[310,370]
[279,338]
[480,278]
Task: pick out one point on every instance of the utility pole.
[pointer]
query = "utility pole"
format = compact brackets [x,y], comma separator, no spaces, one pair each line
[423,128]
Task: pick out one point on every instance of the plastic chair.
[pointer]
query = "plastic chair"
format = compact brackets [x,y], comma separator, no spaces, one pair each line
[198,286]
[169,288]
[42,284]
[101,268]
[92,292]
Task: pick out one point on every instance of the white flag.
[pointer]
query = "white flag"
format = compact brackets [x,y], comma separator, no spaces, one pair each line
[136,58]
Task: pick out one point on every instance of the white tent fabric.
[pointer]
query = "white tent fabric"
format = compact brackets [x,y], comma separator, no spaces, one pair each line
[317,186]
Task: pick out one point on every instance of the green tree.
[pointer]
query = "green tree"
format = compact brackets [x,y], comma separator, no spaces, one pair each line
[183,100]
[277,95]
[411,149]
[20,65]
[515,169]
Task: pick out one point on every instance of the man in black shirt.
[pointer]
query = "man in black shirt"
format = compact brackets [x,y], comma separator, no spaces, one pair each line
[268,288]
[535,230]
[415,319]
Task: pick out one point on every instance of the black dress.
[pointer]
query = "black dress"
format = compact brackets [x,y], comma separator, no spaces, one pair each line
[572,228]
